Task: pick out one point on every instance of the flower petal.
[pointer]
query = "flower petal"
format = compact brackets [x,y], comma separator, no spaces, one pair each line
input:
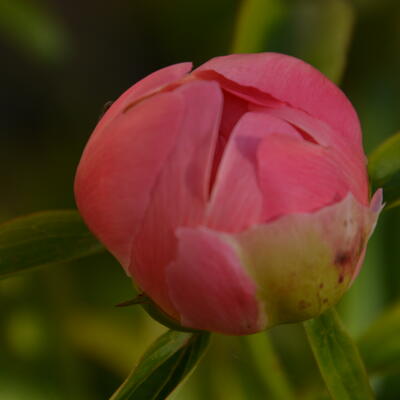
[376,206]
[304,262]
[209,287]
[182,189]
[297,176]
[119,168]
[237,200]
[291,81]
[350,157]
[148,85]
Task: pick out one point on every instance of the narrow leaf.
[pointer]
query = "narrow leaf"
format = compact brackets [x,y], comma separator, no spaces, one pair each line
[34,28]
[380,345]
[43,238]
[322,33]
[338,358]
[384,169]
[166,363]
[255,22]
[268,366]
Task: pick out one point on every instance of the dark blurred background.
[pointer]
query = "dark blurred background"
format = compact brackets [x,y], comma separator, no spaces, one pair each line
[61,61]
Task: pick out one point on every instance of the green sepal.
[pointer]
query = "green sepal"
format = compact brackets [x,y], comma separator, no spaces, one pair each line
[156,313]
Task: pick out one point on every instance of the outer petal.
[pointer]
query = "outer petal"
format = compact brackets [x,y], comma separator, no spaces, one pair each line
[118,170]
[351,158]
[182,190]
[149,85]
[237,200]
[376,207]
[294,82]
[209,287]
[297,176]
[303,263]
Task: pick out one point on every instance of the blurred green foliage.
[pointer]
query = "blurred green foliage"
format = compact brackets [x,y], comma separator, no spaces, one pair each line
[44,238]
[384,169]
[34,29]
[61,337]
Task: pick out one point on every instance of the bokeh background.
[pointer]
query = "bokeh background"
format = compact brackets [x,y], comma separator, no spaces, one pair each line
[61,338]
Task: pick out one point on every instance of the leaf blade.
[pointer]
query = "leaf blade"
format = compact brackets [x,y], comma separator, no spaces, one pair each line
[44,238]
[380,344]
[164,365]
[35,29]
[384,169]
[327,50]
[338,358]
[256,20]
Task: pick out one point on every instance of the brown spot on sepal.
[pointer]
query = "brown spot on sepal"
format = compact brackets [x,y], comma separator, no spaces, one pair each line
[303,304]
[346,260]
[342,259]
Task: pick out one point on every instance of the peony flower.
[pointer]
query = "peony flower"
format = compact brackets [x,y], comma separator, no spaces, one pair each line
[236,195]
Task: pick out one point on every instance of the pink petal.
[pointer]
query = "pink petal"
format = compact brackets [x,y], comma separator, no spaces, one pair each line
[237,201]
[303,263]
[118,170]
[182,189]
[209,286]
[233,109]
[350,157]
[148,85]
[291,81]
[375,208]
[297,176]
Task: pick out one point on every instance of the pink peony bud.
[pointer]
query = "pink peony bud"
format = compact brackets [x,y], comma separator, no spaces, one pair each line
[235,195]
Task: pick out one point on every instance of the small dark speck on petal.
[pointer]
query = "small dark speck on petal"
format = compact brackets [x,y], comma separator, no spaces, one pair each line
[342,258]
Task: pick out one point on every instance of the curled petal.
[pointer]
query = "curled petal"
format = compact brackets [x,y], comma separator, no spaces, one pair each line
[119,168]
[297,176]
[290,81]
[209,287]
[375,208]
[145,87]
[348,156]
[180,195]
[237,199]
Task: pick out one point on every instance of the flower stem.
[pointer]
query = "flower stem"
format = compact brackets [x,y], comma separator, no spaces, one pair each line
[269,366]
[338,358]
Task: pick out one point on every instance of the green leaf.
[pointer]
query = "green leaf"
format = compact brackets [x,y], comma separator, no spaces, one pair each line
[322,33]
[384,169]
[255,22]
[43,238]
[33,28]
[338,358]
[380,345]
[269,367]
[165,364]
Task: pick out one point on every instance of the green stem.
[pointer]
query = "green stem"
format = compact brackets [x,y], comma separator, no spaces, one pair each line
[338,358]
[269,366]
